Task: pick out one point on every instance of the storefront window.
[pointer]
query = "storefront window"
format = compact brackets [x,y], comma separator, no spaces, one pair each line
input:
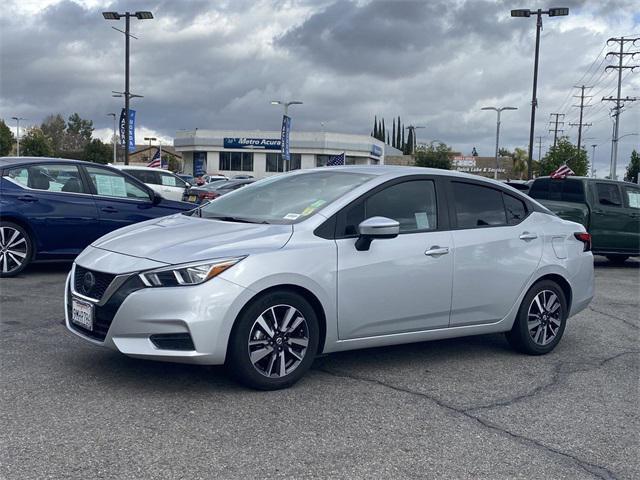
[275,163]
[236,161]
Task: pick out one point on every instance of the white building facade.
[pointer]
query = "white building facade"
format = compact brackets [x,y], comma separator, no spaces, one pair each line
[257,153]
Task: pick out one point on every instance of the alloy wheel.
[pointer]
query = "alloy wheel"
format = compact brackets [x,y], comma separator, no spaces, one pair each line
[278,341]
[544,317]
[13,249]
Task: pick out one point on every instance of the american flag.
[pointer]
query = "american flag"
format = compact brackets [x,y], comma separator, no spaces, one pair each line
[335,160]
[562,172]
[155,162]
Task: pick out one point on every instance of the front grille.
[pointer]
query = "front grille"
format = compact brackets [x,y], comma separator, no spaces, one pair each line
[103,315]
[173,341]
[92,289]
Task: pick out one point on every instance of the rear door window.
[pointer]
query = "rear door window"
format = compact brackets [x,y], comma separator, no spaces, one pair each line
[633,197]
[609,194]
[50,177]
[516,209]
[478,206]
[144,176]
[169,180]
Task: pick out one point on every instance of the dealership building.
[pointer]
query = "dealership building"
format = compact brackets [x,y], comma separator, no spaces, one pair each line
[257,153]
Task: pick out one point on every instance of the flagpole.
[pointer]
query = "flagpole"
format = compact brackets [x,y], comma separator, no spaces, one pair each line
[160,148]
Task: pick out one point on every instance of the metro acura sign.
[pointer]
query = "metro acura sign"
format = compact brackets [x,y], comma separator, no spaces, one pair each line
[260,143]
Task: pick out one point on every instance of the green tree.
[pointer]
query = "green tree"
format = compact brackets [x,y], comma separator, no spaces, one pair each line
[393,135]
[35,144]
[375,126]
[565,153]
[6,139]
[520,156]
[54,127]
[173,163]
[97,152]
[504,152]
[398,140]
[633,168]
[433,156]
[79,132]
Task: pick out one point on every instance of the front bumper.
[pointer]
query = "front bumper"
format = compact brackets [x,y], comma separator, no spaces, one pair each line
[204,312]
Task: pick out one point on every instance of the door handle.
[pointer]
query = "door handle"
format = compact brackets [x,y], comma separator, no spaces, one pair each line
[109,209]
[436,251]
[528,236]
[27,198]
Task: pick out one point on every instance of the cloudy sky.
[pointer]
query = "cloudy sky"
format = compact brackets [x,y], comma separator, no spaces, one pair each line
[217,64]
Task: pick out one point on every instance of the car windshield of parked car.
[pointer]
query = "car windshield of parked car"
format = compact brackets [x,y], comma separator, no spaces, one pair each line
[284,199]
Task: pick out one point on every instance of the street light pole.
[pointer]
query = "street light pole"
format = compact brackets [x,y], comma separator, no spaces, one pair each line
[552,12]
[498,110]
[113,139]
[17,119]
[143,15]
[286,164]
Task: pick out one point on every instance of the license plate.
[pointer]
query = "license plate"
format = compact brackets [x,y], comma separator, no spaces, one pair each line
[192,198]
[82,314]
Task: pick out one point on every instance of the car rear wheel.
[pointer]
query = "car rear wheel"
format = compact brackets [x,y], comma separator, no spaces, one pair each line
[541,319]
[16,249]
[274,341]
[617,259]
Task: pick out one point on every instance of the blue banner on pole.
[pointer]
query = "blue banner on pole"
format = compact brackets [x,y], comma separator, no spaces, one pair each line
[199,163]
[132,129]
[284,137]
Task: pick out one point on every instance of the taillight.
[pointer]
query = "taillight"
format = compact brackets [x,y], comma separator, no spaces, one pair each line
[208,195]
[585,238]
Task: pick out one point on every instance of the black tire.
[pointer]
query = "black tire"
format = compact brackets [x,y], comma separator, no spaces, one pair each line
[528,341]
[262,375]
[15,246]
[617,259]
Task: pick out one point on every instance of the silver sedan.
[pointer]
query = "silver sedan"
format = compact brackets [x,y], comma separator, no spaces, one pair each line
[318,261]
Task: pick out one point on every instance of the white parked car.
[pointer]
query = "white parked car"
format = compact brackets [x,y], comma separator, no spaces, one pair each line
[166,183]
[329,259]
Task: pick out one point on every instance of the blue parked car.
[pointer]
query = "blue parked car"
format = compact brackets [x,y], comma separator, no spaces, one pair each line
[51,209]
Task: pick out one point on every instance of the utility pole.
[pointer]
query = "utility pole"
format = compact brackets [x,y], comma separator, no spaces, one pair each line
[582,106]
[618,99]
[540,148]
[113,139]
[555,129]
[593,160]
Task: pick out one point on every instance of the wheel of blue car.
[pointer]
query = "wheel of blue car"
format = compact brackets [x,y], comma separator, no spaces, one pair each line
[541,319]
[16,249]
[274,341]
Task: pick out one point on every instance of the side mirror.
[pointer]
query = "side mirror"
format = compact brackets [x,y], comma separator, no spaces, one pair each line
[156,198]
[376,227]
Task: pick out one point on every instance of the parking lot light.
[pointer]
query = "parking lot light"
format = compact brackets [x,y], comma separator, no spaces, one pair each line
[521,12]
[498,110]
[141,15]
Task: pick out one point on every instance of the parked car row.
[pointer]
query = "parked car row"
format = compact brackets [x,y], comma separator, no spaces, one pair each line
[215,189]
[51,209]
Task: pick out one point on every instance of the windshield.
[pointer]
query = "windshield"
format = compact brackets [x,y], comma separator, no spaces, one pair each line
[284,199]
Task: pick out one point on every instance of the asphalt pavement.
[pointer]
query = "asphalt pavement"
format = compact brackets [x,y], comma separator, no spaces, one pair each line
[463,408]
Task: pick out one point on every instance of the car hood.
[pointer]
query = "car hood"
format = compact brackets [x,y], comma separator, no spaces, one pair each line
[181,239]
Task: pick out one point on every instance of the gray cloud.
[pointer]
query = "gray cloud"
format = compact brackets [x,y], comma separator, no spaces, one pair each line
[216,64]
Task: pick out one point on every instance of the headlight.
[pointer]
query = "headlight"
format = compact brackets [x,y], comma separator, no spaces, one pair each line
[187,274]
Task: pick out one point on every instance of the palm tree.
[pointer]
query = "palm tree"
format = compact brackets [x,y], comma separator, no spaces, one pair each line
[520,162]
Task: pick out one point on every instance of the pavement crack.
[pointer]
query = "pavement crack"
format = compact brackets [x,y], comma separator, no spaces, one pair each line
[597,471]
[615,317]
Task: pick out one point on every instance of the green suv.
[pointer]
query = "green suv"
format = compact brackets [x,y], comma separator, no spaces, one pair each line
[609,210]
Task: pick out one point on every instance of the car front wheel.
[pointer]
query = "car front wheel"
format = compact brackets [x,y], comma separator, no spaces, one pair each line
[15,249]
[274,341]
[541,319]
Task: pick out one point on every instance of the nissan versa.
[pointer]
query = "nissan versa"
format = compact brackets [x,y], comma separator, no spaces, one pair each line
[317,261]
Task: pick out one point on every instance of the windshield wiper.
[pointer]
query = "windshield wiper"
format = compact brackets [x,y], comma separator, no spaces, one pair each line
[237,219]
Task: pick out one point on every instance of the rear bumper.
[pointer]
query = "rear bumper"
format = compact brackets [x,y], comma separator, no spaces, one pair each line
[582,283]
[205,313]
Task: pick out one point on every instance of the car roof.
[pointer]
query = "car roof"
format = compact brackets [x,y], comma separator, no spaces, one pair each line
[10,161]
[137,167]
